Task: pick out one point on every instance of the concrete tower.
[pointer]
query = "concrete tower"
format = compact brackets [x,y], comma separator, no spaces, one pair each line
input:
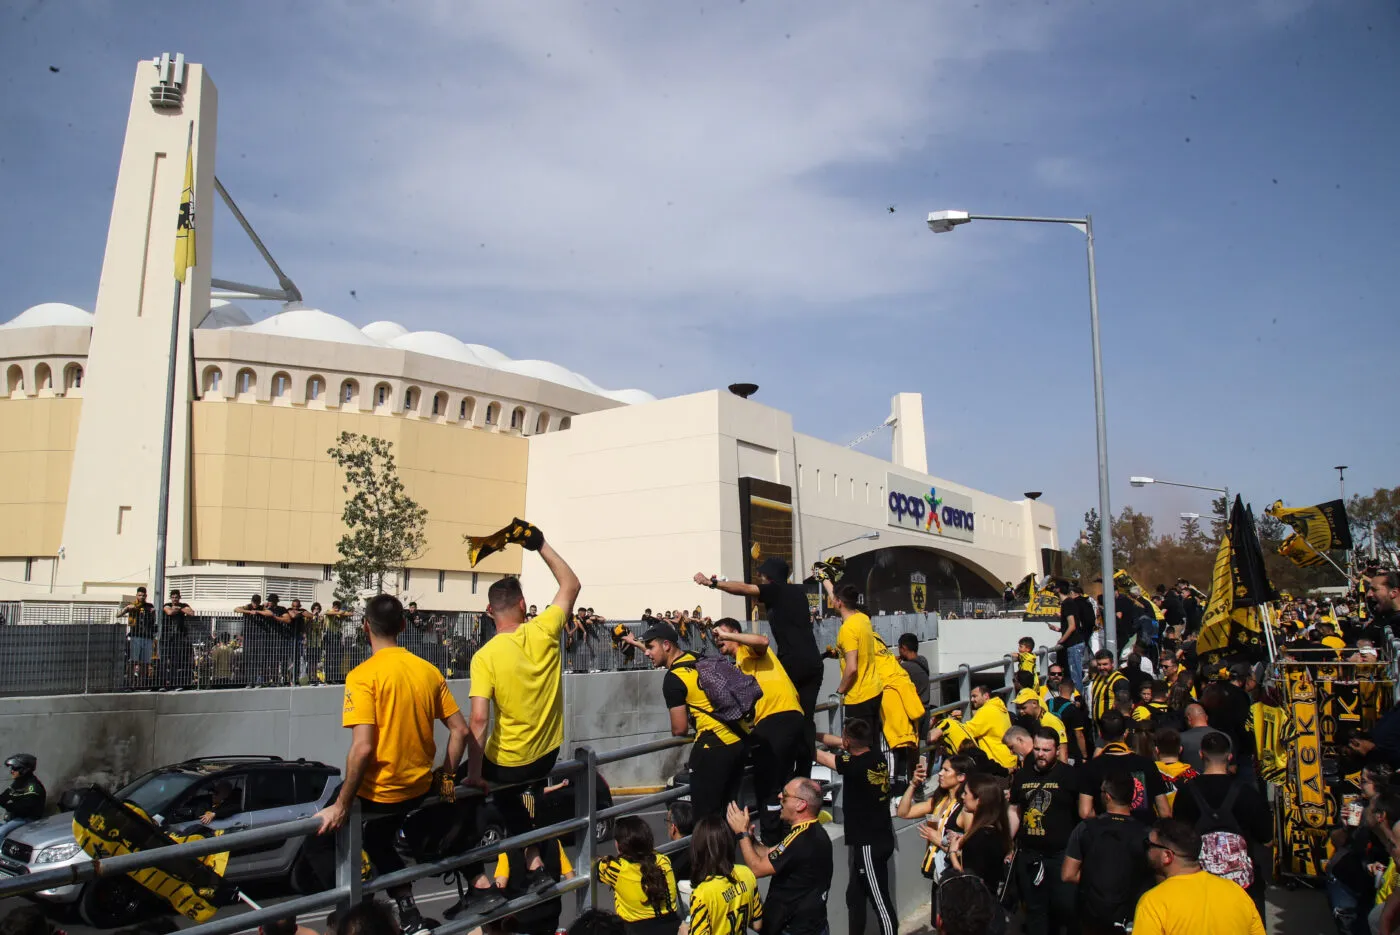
[110,525]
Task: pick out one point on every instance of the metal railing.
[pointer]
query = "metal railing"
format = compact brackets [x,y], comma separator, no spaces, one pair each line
[349,888]
[95,654]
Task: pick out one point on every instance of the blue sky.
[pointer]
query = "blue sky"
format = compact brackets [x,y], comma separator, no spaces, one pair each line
[680,196]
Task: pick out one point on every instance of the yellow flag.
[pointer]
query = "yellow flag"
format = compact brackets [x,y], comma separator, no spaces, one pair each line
[184,227]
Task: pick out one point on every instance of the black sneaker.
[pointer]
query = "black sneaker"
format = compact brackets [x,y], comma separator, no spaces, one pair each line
[411,922]
[537,881]
[480,901]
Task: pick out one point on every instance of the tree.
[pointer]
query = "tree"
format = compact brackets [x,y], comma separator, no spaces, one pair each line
[1133,541]
[1379,510]
[383,524]
[1191,534]
[1219,517]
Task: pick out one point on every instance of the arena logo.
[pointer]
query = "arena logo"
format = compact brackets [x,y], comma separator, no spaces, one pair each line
[930,511]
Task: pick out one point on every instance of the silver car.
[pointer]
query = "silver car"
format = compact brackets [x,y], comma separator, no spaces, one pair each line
[236,793]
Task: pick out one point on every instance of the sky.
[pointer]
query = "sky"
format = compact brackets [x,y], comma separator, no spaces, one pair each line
[680,196]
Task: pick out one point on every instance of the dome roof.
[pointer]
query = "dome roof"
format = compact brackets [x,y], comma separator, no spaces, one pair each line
[50,313]
[224,314]
[312,324]
[493,357]
[437,344]
[630,397]
[550,372]
[384,331]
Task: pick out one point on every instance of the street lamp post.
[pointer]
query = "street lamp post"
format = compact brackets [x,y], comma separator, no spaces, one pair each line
[865,535]
[942,222]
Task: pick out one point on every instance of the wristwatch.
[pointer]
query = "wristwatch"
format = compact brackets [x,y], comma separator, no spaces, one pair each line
[714,582]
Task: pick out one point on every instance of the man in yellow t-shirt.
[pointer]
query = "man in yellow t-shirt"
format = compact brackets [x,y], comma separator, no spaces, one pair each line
[776,741]
[521,670]
[717,756]
[1190,901]
[392,700]
[860,687]
[987,726]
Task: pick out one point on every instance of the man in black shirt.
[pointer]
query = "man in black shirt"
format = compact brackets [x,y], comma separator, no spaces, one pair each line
[140,617]
[800,864]
[1070,711]
[1045,809]
[1248,813]
[176,651]
[865,797]
[1106,860]
[790,622]
[1149,791]
[1173,610]
[254,640]
[1074,633]
[277,630]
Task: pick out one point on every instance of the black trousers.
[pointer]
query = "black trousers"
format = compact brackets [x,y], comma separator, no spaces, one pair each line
[511,802]
[778,749]
[808,688]
[380,824]
[868,711]
[868,880]
[715,771]
[1050,906]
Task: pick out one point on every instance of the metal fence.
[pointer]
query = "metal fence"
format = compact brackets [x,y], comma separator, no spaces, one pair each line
[95,653]
[349,888]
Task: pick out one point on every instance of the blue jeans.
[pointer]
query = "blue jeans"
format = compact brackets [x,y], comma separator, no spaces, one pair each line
[11,825]
[1347,909]
[1075,656]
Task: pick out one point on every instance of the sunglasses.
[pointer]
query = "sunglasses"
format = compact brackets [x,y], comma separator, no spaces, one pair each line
[1150,845]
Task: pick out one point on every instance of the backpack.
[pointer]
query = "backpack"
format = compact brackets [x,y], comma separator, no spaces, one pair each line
[732,694]
[1113,870]
[1058,706]
[1224,850]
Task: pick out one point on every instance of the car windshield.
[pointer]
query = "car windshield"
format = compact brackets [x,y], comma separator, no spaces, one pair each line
[154,792]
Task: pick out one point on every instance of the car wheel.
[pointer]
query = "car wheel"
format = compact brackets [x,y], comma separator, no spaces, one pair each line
[603,830]
[112,903]
[493,834]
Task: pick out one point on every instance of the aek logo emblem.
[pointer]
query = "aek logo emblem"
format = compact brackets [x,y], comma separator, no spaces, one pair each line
[934,501]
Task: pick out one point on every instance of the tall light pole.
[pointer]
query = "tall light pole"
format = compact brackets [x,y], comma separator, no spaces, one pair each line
[1138,480]
[1341,470]
[942,222]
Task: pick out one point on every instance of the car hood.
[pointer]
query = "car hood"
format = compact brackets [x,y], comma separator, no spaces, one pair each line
[45,832]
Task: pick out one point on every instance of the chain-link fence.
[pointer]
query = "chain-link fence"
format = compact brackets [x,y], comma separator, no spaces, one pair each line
[97,653]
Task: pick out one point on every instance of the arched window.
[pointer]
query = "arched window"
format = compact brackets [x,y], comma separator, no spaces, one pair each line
[314,388]
[281,385]
[542,423]
[565,423]
[493,413]
[467,410]
[14,379]
[349,392]
[517,418]
[381,396]
[213,376]
[440,404]
[247,382]
[43,378]
[410,398]
[72,377]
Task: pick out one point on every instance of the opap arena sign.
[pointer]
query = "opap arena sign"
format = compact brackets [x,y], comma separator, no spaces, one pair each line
[933,511]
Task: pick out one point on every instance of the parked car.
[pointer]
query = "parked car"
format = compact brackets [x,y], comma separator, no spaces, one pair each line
[244,792]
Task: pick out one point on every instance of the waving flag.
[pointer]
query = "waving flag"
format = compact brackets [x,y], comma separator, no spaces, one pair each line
[1317,530]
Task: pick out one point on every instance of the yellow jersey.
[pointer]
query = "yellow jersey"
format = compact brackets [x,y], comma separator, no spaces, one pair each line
[522,673]
[629,899]
[726,905]
[1058,726]
[681,687]
[1196,904]
[987,726]
[857,634]
[779,695]
[1101,691]
[402,696]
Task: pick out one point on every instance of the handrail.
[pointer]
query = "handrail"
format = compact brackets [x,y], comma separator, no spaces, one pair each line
[349,887]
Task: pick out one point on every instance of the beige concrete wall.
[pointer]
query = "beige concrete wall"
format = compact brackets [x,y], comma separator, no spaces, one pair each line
[265,489]
[37,438]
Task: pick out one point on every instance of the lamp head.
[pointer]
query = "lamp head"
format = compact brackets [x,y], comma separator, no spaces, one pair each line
[1140,481]
[871,535]
[941,222]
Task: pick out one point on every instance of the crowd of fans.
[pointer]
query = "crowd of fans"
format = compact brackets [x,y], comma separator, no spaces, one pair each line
[1118,793]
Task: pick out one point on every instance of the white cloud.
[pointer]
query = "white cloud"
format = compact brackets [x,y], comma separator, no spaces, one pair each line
[636,156]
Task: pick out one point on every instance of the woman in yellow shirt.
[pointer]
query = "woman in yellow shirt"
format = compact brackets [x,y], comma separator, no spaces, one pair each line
[725,900]
[643,883]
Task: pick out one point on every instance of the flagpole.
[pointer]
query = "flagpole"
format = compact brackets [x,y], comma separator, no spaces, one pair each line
[1324,555]
[167,433]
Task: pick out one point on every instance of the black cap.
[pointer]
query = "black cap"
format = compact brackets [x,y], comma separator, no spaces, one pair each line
[661,631]
[774,569]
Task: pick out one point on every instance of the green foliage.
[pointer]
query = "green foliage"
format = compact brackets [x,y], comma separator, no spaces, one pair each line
[1382,508]
[383,524]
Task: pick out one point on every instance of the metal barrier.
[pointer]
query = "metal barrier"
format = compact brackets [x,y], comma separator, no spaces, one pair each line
[350,889]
